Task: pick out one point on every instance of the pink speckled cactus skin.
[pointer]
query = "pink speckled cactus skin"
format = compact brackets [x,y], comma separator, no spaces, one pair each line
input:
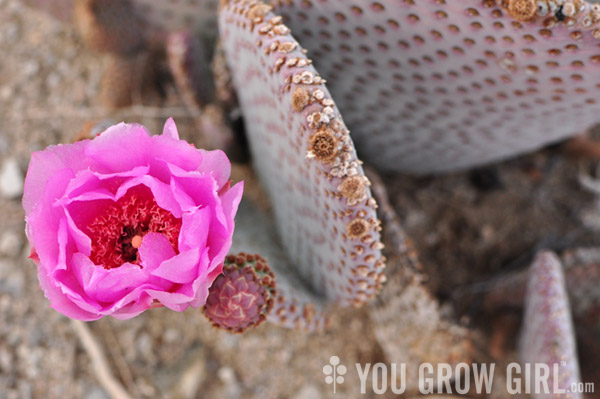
[432,86]
[302,151]
[548,335]
[295,305]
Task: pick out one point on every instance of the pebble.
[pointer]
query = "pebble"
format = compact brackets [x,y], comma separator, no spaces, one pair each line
[172,335]
[6,92]
[191,379]
[12,280]
[144,347]
[3,141]
[11,31]
[11,179]
[31,68]
[10,243]
[96,393]
[53,80]
[308,391]
[226,375]
[228,378]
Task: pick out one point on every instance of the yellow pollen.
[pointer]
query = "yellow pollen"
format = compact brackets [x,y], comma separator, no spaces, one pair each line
[136,241]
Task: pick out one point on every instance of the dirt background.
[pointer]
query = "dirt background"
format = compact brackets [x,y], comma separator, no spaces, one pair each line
[468,228]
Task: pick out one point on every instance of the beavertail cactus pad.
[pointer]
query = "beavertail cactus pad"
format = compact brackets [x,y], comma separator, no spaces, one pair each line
[303,154]
[582,279]
[431,86]
[296,306]
[548,335]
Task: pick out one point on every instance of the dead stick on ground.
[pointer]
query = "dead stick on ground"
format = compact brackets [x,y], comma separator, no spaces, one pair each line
[99,362]
[115,350]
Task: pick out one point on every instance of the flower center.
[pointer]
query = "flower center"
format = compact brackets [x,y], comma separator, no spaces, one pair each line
[118,231]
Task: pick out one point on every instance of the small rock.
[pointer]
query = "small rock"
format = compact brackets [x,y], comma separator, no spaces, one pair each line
[5,268]
[191,379]
[96,393]
[11,179]
[308,391]
[53,80]
[226,375]
[10,243]
[228,378]
[144,346]
[31,68]
[14,284]
[6,92]
[11,31]
[172,335]
[184,380]
[3,142]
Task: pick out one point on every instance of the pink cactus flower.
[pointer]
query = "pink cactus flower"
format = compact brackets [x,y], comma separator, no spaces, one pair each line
[128,221]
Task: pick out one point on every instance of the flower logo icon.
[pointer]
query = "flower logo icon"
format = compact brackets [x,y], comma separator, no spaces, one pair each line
[334,372]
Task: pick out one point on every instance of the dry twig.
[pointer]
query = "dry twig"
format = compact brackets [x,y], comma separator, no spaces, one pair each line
[99,362]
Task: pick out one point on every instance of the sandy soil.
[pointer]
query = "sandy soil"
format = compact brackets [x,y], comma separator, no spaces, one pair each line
[468,227]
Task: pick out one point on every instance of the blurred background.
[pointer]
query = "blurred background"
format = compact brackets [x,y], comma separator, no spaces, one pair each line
[470,229]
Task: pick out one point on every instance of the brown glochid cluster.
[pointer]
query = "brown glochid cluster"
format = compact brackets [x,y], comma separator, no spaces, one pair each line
[258,11]
[522,10]
[300,99]
[353,188]
[357,228]
[323,145]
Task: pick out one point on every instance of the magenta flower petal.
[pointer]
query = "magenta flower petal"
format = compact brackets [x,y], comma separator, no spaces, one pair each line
[174,301]
[186,201]
[181,268]
[195,228]
[170,130]
[154,250]
[45,218]
[60,301]
[82,242]
[161,191]
[231,201]
[88,181]
[127,144]
[44,165]
[107,285]
[201,187]
[128,221]
[216,164]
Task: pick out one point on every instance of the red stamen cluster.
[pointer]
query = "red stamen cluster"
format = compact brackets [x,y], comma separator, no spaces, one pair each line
[116,233]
